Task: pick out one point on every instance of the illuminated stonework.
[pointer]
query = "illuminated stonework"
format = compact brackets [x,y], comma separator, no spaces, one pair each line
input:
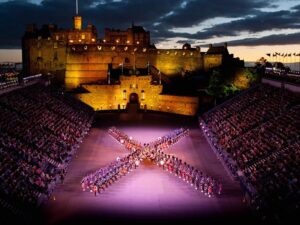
[116,97]
[77,55]
[77,22]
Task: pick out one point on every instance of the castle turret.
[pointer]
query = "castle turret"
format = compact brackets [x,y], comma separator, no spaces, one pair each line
[77,20]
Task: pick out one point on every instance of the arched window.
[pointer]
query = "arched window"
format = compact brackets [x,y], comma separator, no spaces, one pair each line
[127,60]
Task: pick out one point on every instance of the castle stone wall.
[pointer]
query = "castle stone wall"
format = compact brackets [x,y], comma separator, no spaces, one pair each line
[114,97]
[92,60]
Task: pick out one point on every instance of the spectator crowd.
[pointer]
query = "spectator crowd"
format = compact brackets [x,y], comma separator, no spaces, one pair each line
[257,135]
[40,130]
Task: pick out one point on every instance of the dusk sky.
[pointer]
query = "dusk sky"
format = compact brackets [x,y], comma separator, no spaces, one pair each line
[251,28]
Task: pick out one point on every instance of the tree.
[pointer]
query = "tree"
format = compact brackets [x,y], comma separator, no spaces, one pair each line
[244,78]
[261,64]
[216,85]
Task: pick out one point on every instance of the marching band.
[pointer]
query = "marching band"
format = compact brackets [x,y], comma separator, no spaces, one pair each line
[98,181]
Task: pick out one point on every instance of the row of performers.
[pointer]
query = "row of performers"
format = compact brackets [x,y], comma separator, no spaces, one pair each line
[161,143]
[98,181]
[101,179]
[124,139]
[168,140]
[200,181]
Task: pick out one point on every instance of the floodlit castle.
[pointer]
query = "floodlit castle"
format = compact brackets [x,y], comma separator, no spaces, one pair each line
[78,56]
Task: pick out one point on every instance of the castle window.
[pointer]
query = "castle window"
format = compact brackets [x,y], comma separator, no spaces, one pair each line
[124,94]
[55,44]
[143,95]
[83,36]
[127,60]
[57,37]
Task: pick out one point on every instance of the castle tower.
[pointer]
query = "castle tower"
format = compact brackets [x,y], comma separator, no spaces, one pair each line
[77,20]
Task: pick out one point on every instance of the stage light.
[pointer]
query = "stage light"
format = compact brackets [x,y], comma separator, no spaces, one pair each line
[130,138]
[162,162]
[137,162]
[122,141]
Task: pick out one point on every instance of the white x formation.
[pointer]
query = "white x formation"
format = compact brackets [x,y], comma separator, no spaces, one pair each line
[153,151]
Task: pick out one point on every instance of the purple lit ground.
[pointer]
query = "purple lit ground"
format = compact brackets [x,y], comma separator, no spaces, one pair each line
[147,194]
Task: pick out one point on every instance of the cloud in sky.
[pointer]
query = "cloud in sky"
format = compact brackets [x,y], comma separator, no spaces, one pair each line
[246,22]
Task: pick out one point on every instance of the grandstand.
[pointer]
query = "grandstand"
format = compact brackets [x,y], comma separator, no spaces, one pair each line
[40,129]
[257,136]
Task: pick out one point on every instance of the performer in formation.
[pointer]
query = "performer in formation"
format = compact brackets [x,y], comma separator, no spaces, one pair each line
[97,182]
[200,181]
[124,139]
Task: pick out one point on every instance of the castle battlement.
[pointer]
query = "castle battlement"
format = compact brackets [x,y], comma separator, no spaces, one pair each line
[79,53]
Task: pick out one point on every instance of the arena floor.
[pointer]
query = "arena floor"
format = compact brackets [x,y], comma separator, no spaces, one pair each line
[148,194]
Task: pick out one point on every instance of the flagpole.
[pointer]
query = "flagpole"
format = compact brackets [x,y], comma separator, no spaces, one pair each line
[76,7]
[271,57]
